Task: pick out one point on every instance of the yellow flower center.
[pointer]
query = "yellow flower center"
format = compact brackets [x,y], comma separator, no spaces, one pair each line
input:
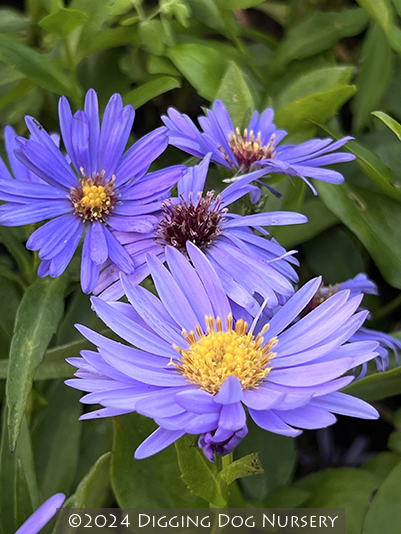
[94,199]
[212,357]
[248,149]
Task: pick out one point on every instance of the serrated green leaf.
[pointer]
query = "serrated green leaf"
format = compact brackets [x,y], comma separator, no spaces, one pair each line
[63,21]
[378,386]
[373,77]
[198,473]
[372,217]
[317,107]
[37,319]
[203,66]
[244,467]
[35,66]
[154,482]
[384,514]
[235,94]
[389,122]
[139,96]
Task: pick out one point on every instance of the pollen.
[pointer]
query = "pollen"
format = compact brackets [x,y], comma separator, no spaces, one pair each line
[249,149]
[213,356]
[95,197]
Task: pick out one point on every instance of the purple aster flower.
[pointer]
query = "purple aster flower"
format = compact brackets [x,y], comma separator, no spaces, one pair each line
[198,365]
[257,147]
[358,285]
[96,187]
[245,262]
[42,515]
[20,172]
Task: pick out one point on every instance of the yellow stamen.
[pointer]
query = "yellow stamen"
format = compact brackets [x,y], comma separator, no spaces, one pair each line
[218,353]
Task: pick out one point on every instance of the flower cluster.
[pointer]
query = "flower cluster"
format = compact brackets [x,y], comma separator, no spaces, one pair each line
[228,337]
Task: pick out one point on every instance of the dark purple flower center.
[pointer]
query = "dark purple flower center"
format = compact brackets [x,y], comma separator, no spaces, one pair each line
[94,198]
[199,222]
[248,149]
[322,294]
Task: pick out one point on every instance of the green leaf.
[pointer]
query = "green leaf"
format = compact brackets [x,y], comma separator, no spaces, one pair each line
[55,438]
[238,4]
[344,487]
[389,122]
[382,463]
[151,483]
[11,240]
[370,165]
[13,20]
[377,386]
[318,32]
[19,495]
[316,107]
[112,38]
[203,66]
[277,455]
[244,467]
[37,319]
[97,13]
[152,36]
[63,21]
[316,81]
[319,219]
[373,77]
[19,91]
[384,514]
[372,217]
[198,473]
[394,442]
[235,94]
[78,499]
[322,261]
[381,11]
[139,96]
[35,66]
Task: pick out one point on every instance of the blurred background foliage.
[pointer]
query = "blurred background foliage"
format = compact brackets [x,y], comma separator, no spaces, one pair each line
[324,66]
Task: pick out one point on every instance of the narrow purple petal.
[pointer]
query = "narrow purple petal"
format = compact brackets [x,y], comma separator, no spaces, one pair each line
[159,440]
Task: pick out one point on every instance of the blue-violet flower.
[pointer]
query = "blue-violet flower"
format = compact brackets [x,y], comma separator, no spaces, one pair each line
[102,190]
[198,365]
[246,263]
[257,147]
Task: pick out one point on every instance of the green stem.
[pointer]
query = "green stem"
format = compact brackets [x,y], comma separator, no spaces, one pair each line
[389,308]
[226,460]
[72,68]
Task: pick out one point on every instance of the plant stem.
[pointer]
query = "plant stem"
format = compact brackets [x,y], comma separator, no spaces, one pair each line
[389,308]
